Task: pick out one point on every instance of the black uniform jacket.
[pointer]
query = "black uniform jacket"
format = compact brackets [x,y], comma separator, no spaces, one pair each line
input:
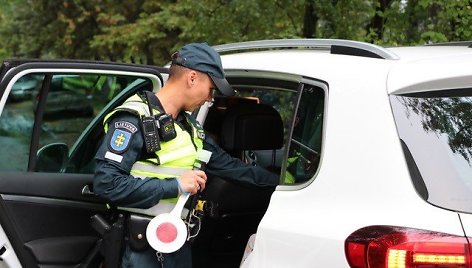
[123,146]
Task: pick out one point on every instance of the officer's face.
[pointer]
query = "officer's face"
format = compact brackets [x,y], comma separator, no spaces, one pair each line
[202,91]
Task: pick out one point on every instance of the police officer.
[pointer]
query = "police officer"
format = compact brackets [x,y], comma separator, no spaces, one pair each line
[130,174]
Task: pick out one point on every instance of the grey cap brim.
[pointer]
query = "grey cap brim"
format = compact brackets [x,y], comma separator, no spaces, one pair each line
[223,86]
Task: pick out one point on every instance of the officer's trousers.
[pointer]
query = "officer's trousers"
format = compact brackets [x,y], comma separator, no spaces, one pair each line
[182,258]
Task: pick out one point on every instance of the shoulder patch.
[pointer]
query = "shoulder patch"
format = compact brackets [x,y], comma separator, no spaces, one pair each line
[126,125]
[120,140]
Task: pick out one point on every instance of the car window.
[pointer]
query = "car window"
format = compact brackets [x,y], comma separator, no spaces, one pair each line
[81,155]
[69,107]
[16,124]
[62,105]
[436,134]
[301,107]
[275,95]
[305,145]
[282,100]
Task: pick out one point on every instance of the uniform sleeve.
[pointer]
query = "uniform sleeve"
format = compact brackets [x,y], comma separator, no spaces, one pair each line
[121,147]
[223,165]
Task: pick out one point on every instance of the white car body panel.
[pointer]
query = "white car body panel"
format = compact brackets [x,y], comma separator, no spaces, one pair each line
[9,258]
[431,74]
[299,229]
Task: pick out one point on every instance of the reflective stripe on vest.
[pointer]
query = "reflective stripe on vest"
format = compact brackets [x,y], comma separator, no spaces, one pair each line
[164,205]
[175,156]
[153,169]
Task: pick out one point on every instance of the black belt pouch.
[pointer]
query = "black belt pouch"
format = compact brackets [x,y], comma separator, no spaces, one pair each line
[137,225]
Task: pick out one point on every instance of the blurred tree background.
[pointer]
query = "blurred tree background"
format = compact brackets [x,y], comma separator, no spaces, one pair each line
[148,31]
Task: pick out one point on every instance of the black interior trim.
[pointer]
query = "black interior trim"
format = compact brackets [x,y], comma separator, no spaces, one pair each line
[456,92]
[46,185]
[61,250]
[53,201]
[8,226]
[415,174]
[41,221]
[265,82]
[38,121]
[353,51]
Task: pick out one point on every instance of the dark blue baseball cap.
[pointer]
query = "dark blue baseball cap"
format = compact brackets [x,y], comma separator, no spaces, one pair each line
[203,58]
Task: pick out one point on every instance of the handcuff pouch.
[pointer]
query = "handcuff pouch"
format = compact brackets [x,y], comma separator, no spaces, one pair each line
[137,225]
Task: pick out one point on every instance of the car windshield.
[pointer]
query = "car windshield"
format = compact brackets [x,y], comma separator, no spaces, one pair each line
[436,132]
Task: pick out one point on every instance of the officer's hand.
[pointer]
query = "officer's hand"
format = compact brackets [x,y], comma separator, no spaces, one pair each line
[193,181]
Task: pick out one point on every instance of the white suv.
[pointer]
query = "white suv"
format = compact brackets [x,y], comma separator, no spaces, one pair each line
[374,148]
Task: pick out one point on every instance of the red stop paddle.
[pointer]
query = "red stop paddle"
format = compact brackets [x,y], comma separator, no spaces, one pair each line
[167,232]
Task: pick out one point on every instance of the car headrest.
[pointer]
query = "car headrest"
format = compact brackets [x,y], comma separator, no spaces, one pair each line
[252,126]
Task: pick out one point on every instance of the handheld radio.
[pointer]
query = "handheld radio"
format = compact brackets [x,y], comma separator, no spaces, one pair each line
[150,134]
[156,128]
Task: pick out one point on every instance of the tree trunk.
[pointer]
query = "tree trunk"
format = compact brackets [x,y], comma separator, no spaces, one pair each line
[378,21]
[309,20]
[413,23]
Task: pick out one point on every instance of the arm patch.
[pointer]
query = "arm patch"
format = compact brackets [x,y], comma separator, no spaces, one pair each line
[122,136]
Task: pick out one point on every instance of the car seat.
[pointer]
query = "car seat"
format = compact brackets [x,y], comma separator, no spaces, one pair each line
[245,127]
[248,127]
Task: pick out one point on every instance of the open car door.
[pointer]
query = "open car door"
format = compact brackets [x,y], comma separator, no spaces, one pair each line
[50,128]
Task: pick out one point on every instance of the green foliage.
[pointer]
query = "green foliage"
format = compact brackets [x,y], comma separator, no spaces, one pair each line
[141,36]
[48,29]
[218,22]
[343,19]
[147,31]
[428,21]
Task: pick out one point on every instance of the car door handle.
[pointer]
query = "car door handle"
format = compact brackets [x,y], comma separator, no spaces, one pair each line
[86,191]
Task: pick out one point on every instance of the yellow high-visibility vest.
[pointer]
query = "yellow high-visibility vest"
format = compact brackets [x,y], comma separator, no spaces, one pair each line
[175,156]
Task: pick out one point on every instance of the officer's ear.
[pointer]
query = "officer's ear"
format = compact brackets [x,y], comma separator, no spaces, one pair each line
[192,78]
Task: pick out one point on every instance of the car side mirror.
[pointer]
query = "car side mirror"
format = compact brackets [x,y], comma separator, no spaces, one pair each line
[52,158]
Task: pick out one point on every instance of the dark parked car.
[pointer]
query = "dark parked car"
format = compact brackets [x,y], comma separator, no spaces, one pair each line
[24,88]
[68,95]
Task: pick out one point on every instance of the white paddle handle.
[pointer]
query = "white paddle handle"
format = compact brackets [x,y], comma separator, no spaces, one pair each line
[177,211]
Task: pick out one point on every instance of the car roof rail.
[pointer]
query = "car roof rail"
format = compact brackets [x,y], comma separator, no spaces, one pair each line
[457,44]
[336,46]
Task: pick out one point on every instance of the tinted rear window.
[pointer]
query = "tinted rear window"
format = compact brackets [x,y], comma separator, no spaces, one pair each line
[437,132]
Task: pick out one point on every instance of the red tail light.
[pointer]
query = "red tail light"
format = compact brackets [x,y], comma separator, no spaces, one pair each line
[399,247]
